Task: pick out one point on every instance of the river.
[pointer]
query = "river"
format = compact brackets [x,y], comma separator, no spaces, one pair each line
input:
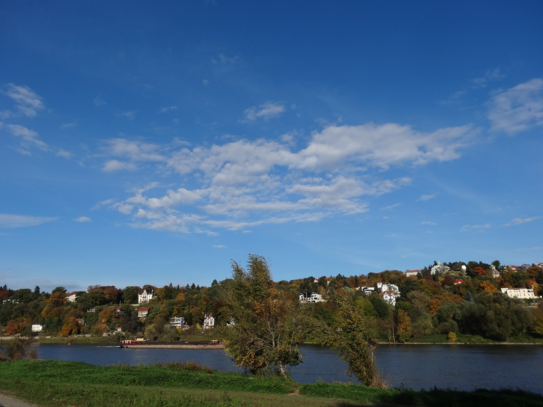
[458,367]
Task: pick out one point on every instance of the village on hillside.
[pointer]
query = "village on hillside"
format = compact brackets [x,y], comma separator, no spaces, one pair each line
[435,299]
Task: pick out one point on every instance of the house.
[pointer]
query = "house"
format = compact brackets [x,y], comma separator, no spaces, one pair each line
[80,321]
[366,290]
[439,268]
[119,311]
[388,287]
[146,296]
[92,309]
[178,322]
[209,321]
[72,296]
[511,268]
[314,297]
[522,293]
[142,312]
[389,297]
[458,281]
[495,273]
[411,273]
[37,327]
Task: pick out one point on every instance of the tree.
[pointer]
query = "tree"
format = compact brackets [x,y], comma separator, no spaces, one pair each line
[349,334]
[404,326]
[488,286]
[269,324]
[59,290]
[451,337]
[130,295]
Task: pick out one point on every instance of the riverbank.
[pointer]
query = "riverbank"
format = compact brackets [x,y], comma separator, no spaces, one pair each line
[47,382]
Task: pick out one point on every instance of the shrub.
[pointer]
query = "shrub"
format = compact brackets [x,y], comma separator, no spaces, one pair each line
[18,348]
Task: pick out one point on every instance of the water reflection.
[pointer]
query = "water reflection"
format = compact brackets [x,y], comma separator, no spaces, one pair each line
[420,367]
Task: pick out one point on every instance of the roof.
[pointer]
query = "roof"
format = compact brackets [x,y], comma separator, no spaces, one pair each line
[143,309]
[412,271]
[457,280]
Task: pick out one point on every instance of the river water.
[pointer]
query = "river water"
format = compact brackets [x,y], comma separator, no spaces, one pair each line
[458,367]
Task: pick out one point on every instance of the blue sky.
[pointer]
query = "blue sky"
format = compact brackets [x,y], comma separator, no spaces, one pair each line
[151,143]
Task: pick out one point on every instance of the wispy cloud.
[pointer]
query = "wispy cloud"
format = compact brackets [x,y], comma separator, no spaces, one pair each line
[426,197]
[114,165]
[528,249]
[21,221]
[64,153]
[475,227]
[387,208]
[266,111]
[517,109]
[168,109]
[67,126]
[268,181]
[27,102]
[28,138]
[82,219]
[129,115]
[518,221]
[98,101]
[428,223]
[225,60]
[218,246]
[489,76]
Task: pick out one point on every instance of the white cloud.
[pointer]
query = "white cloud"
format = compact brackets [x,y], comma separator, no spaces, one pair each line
[489,76]
[21,221]
[266,111]
[218,246]
[528,249]
[387,208]
[130,114]
[27,102]
[518,221]
[64,153]
[480,227]
[66,126]
[99,101]
[135,150]
[114,165]
[225,60]
[205,82]
[82,219]
[426,197]
[168,109]
[429,223]
[263,181]
[28,137]
[518,109]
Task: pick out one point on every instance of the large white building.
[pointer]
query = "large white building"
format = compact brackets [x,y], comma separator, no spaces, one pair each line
[522,293]
[146,296]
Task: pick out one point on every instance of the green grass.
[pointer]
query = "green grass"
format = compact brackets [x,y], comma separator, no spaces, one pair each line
[48,382]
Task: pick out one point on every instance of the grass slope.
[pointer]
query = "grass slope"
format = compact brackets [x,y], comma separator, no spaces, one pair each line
[189,384]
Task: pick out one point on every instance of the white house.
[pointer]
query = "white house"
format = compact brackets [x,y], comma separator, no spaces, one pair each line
[389,297]
[209,321]
[178,322]
[495,273]
[411,273]
[37,327]
[522,293]
[72,296]
[146,296]
[142,312]
[439,268]
[314,297]
[366,290]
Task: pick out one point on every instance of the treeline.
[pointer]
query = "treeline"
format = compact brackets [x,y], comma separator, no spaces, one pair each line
[427,304]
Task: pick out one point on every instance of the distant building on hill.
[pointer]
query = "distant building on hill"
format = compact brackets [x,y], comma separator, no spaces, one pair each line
[522,293]
[178,322]
[209,321]
[37,327]
[314,297]
[412,273]
[146,296]
[142,312]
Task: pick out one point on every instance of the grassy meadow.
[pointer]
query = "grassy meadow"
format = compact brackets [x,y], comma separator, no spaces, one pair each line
[179,384]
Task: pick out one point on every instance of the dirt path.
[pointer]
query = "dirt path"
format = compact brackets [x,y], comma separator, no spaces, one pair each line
[8,401]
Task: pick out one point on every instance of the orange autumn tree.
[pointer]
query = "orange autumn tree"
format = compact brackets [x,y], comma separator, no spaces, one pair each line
[12,328]
[479,271]
[70,327]
[403,325]
[488,286]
